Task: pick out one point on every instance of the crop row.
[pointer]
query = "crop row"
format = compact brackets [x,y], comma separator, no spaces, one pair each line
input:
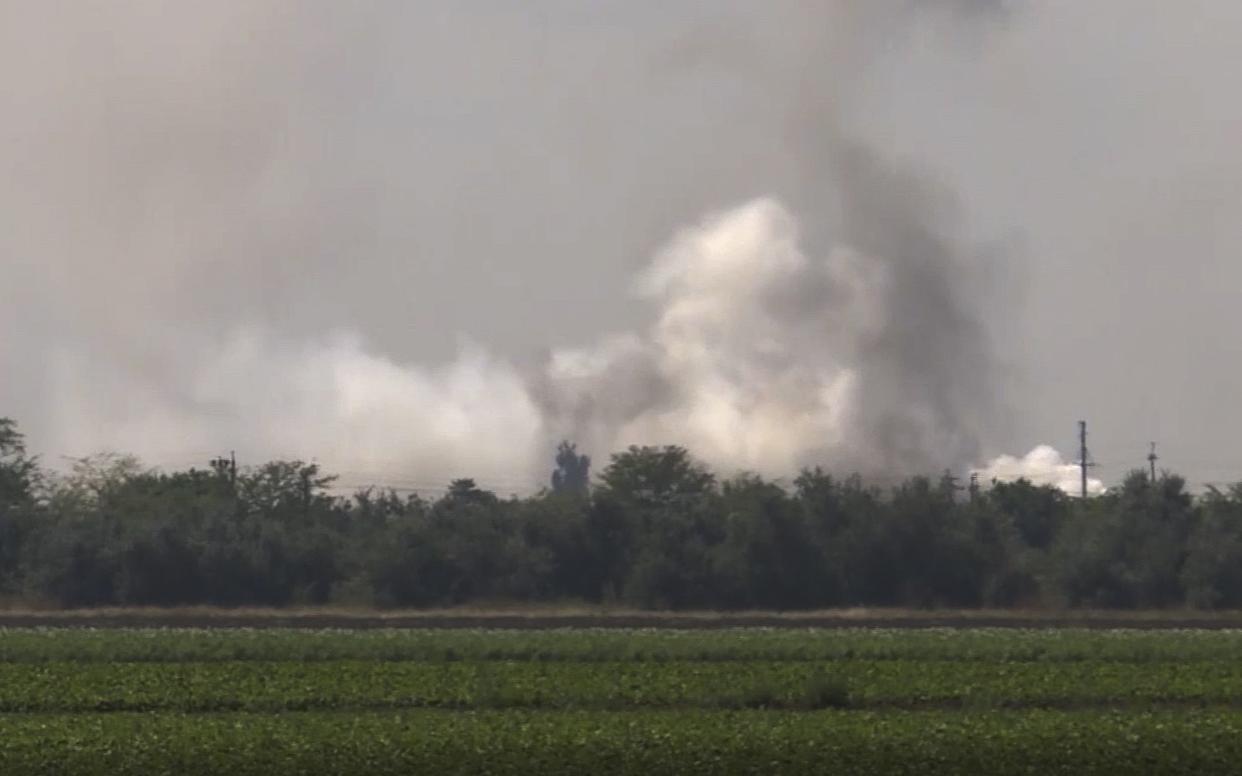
[648,743]
[34,645]
[277,687]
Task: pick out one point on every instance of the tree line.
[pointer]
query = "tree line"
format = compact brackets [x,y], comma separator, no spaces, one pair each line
[654,529]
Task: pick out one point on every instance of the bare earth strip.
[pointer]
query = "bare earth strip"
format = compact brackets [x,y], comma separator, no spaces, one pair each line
[545,618]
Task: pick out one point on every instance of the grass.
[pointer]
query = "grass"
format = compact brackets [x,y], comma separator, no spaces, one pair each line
[352,685]
[631,742]
[87,700]
[981,645]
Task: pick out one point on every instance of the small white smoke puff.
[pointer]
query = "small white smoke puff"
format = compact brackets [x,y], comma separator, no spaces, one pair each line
[1042,466]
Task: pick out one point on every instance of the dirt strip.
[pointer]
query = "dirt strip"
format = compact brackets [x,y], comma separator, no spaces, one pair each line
[536,620]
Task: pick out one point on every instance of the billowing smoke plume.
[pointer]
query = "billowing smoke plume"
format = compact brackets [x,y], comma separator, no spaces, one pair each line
[419,241]
[217,237]
[763,358]
[759,358]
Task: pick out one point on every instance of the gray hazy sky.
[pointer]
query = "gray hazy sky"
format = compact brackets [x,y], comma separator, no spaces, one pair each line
[191,189]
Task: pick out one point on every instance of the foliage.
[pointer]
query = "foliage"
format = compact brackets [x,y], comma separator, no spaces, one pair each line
[651,743]
[89,701]
[18,471]
[477,684]
[657,530]
[449,645]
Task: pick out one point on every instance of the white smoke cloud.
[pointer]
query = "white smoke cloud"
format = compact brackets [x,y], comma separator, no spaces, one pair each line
[753,361]
[1042,466]
[732,369]
[334,401]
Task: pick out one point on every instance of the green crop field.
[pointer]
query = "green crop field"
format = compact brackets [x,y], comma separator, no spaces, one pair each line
[271,701]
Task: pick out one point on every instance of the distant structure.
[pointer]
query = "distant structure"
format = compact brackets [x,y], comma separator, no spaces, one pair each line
[226,467]
[1084,456]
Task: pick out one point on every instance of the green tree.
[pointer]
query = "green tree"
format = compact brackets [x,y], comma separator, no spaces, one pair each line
[1127,548]
[1212,573]
[768,558]
[653,522]
[937,559]
[1036,511]
[19,481]
[657,476]
[19,472]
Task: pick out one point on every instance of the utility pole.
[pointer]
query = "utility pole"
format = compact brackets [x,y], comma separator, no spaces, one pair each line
[1151,459]
[974,486]
[1083,460]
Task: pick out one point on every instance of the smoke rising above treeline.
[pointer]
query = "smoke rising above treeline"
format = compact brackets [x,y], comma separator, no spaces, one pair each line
[759,358]
[432,240]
